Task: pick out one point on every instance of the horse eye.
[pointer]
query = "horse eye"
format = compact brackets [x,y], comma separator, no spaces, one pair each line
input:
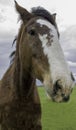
[35,55]
[32,32]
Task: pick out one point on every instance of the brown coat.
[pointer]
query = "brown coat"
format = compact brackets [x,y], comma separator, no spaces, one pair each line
[19,111]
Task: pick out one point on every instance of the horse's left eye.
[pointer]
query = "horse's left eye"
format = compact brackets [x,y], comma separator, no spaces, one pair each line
[32,32]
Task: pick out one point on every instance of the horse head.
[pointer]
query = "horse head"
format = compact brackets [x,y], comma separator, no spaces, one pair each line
[40,50]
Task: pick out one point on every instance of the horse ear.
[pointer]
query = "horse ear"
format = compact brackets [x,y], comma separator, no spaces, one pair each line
[24,14]
[54,16]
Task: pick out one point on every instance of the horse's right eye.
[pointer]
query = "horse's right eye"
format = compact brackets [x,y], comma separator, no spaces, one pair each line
[32,32]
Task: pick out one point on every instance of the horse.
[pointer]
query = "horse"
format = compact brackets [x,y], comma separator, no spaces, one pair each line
[38,55]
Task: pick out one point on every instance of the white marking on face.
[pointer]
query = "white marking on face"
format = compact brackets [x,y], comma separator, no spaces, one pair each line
[58,66]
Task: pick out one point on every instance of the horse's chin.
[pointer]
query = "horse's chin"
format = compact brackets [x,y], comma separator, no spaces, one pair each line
[56,98]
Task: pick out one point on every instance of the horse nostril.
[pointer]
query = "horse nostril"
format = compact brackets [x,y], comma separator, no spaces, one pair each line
[62,94]
[58,85]
[66,98]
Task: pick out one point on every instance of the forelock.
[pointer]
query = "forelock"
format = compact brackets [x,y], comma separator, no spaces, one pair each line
[40,11]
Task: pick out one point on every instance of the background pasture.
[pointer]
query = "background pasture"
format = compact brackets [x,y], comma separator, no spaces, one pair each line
[58,116]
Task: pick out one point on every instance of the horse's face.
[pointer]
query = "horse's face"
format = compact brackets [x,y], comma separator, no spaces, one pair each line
[40,40]
[48,63]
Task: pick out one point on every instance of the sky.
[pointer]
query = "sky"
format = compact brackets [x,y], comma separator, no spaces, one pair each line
[66,21]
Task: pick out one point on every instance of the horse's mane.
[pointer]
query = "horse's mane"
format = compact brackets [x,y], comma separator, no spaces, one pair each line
[12,55]
[37,11]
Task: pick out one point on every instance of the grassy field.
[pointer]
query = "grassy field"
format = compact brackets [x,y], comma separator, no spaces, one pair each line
[58,116]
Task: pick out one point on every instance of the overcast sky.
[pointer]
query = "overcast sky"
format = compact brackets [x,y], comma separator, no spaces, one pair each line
[66,20]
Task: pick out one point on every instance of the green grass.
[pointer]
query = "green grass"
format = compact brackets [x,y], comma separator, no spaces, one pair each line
[58,116]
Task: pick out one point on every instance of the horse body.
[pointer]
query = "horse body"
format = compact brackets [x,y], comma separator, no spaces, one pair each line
[20,107]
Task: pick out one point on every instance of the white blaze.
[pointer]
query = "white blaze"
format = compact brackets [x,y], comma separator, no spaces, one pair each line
[58,66]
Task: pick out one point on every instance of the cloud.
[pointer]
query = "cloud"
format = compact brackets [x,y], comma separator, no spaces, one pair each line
[73,64]
[5,51]
[5,2]
[2,19]
[8,24]
[68,43]
[71,55]
[68,38]
[8,31]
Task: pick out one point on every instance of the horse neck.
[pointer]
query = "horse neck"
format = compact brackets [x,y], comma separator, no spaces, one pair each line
[24,79]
